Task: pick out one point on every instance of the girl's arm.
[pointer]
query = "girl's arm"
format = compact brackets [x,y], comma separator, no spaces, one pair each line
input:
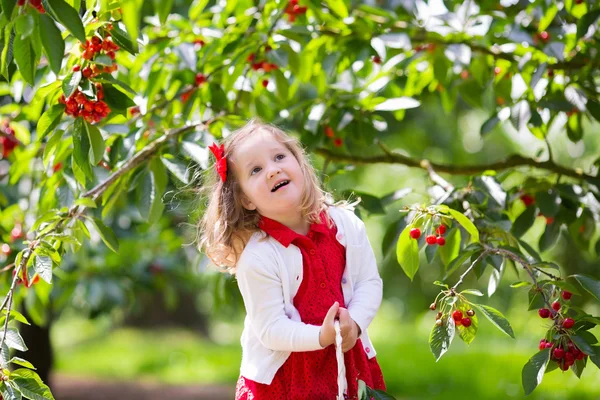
[368,286]
[261,289]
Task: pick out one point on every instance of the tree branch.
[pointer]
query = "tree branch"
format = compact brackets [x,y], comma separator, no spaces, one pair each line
[510,162]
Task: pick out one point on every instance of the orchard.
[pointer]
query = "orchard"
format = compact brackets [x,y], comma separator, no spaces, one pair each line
[109,107]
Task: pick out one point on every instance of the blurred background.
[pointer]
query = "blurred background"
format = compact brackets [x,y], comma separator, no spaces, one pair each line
[156,320]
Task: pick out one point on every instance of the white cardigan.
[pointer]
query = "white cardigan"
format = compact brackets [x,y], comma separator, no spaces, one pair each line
[269,275]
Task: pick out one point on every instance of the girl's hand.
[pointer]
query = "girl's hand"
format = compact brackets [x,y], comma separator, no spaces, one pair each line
[327,332]
[349,330]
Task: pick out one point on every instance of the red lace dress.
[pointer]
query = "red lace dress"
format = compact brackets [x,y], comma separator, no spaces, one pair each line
[313,374]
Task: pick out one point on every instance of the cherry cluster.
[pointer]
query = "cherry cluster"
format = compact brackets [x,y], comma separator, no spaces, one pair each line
[563,352]
[262,65]
[431,239]
[337,142]
[293,9]
[7,139]
[96,46]
[37,4]
[459,319]
[79,105]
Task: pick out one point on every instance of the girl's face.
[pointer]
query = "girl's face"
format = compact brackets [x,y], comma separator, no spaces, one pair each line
[270,177]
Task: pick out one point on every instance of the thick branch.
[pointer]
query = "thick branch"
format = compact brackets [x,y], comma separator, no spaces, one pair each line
[510,162]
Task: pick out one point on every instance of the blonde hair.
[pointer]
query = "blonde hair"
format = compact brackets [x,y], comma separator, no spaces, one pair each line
[226,225]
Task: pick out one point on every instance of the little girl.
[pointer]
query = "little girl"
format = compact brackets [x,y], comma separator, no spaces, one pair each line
[301,262]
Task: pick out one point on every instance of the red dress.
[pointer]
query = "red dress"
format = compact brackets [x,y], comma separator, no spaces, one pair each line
[313,374]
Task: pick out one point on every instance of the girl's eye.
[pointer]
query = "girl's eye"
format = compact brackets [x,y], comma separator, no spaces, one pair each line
[280,157]
[255,171]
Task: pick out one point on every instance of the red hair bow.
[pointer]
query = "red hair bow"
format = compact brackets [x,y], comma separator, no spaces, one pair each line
[221,164]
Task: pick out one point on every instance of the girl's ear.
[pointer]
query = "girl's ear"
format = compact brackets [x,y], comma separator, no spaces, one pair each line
[248,205]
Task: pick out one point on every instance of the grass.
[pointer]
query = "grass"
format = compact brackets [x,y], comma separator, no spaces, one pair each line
[489,368]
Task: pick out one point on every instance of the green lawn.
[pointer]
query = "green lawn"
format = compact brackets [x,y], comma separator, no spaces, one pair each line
[490,368]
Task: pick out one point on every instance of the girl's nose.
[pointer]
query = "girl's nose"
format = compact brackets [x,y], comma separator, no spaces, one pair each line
[274,171]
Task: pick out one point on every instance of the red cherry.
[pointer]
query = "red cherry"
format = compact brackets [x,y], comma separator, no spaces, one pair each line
[527,199]
[563,366]
[470,313]
[76,67]
[200,79]
[497,70]
[5,249]
[431,239]
[568,323]
[542,345]
[20,3]
[415,233]
[466,322]
[457,315]
[57,167]
[87,72]
[329,131]
[376,59]
[440,241]
[265,83]
[558,353]
[251,57]
[566,295]
[579,1]
[549,220]
[556,306]
[464,74]
[550,73]
[338,142]
[569,358]
[545,36]
[441,230]
[548,345]
[544,312]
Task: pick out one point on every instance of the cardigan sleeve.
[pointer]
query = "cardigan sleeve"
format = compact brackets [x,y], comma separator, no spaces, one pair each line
[262,292]
[368,286]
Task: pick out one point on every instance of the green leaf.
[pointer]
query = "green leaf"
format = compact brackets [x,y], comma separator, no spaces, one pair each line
[489,125]
[533,371]
[107,235]
[8,7]
[81,148]
[68,17]
[548,17]
[338,7]
[584,23]
[54,140]
[398,103]
[441,337]
[49,120]
[583,344]
[472,291]
[450,250]
[548,202]
[98,148]
[8,392]
[25,58]
[14,314]
[550,236]
[373,394]
[566,286]
[590,284]
[177,168]
[407,253]
[53,43]
[520,284]
[595,357]
[466,223]
[458,262]
[108,78]
[86,202]
[24,25]
[21,362]
[117,100]
[30,385]
[594,108]
[71,82]
[121,38]
[163,8]
[467,334]
[103,59]
[524,221]
[43,266]
[131,16]
[496,318]
[14,339]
